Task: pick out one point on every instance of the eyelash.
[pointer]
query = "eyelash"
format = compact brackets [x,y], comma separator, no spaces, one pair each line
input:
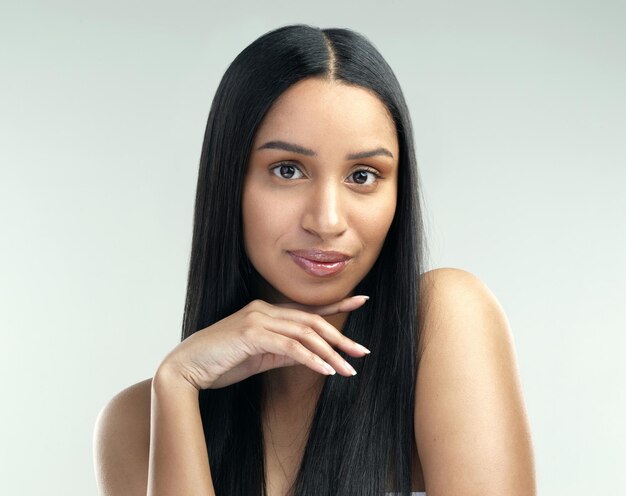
[374,172]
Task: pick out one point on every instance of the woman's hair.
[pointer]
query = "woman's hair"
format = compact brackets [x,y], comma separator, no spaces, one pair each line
[361,436]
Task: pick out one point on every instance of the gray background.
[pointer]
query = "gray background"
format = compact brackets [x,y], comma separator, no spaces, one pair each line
[519,115]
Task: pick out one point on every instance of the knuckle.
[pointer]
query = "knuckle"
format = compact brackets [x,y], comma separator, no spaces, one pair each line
[252,316]
[305,329]
[292,345]
[313,357]
[256,304]
[319,321]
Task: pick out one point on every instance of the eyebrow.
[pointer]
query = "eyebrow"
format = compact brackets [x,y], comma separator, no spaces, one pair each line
[292,147]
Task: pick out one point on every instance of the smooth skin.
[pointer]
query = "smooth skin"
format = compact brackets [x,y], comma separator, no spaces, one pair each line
[471,427]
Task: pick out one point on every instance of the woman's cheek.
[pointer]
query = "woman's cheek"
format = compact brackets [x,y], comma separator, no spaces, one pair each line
[267,216]
[379,219]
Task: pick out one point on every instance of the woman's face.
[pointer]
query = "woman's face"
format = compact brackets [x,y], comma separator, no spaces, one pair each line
[320,191]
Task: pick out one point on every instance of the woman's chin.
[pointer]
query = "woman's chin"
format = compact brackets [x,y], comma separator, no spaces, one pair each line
[325,294]
[315,298]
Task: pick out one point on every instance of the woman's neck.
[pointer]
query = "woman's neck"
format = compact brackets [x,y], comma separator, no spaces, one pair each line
[292,386]
[297,383]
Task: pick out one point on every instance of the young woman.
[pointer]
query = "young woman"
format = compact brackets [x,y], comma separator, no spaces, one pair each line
[288,379]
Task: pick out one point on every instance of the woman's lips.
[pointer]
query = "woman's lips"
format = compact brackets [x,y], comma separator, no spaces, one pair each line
[320,263]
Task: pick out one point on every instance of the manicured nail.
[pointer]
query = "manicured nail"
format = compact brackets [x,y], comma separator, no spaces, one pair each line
[362,348]
[331,371]
[362,296]
[350,368]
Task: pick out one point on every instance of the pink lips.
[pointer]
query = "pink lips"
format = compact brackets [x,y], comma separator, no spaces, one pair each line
[320,263]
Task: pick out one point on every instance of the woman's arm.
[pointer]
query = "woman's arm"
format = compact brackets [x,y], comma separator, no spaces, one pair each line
[121,442]
[179,462]
[471,426]
[149,440]
[167,454]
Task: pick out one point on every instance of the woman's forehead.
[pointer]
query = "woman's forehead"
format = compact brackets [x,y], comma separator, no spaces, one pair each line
[313,110]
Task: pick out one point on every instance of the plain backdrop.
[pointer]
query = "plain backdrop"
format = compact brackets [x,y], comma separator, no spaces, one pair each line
[519,113]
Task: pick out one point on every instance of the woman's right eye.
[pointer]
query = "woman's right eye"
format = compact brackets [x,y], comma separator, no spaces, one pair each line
[287,171]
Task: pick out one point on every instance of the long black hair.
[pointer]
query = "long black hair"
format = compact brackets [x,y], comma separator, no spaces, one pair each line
[361,438]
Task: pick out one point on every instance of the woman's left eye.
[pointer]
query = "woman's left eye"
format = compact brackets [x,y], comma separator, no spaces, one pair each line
[364,177]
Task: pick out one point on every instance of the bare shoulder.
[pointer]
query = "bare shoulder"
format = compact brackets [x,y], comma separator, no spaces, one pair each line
[121,442]
[451,293]
[471,427]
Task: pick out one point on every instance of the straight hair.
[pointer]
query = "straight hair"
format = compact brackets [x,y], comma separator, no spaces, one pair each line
[361,438]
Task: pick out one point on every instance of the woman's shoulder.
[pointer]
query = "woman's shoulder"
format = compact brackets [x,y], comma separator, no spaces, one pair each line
[469,409]
[448,294]
[121,441]
[435,282]
[462,322]
[128,409]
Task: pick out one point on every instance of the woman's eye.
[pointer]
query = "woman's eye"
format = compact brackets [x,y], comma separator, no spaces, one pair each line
[287,171]
[364,177]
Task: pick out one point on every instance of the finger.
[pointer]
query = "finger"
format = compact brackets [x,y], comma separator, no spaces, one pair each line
[312,341]
[326,330]
[272,342]
[346,305]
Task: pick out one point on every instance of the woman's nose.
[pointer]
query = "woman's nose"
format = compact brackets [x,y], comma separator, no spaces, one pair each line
[324,214]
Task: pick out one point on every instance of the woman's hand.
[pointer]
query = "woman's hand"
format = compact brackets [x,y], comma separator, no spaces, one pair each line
[263,336]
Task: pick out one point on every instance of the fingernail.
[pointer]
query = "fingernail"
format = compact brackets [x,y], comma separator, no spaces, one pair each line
[331,370]
[362,348]
[362,296]
[350,368]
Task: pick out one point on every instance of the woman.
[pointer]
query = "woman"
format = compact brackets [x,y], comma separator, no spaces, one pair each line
[307,205]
